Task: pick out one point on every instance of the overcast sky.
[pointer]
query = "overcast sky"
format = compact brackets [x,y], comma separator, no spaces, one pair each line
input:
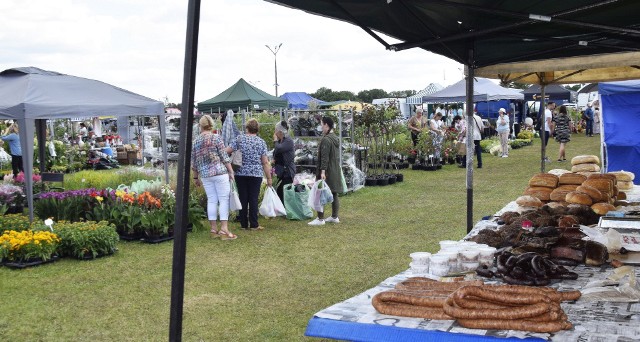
[139,45]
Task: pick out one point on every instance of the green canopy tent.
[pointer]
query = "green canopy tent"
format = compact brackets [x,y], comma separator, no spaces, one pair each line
[241,95]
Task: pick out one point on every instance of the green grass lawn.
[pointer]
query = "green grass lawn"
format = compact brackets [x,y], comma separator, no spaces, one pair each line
[265,285]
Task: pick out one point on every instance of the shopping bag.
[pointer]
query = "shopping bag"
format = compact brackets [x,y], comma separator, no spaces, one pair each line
[295,202]
[345,189]
[319,195]
[234,198]
[271,205]
[236,159]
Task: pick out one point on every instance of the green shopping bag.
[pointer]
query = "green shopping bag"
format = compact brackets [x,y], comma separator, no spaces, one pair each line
[295,203]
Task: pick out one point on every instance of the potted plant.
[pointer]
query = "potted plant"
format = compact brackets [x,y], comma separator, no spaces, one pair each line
[11,199]
[157,217]
[20,249]
[86,240]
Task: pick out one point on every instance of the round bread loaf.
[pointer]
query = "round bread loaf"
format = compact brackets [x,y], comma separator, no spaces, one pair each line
[587,173]
[546,180]
[613,178]
[585,168]
[576,197]
[571,178]
[602,208]
[625,185]
[585,159]
[558,172]
[602,184]
[559,194]
[622,196]
[624,175]
[540,192]
[595,194]
[529,201]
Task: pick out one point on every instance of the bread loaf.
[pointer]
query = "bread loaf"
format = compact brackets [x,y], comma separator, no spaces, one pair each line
[558,172]
[571,187]
[559,194]
[585,168]
[576,197]
[542,193]
[546,180]
[622,196]
[571,178]
[602,184]
[625,185]
[587,173]
[604,176]
[602,208]
[529,201]
[553,205]
[624,175]
[595,194]
[585,159]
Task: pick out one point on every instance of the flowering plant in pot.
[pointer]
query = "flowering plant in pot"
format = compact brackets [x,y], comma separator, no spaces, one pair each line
[27,245]
[86,240]
[17,222]
[11,199]
[70,205]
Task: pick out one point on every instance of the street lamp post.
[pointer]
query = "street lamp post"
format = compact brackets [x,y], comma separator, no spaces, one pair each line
[274,51]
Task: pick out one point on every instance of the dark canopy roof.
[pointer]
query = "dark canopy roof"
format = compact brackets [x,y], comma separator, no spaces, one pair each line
[551,91]
[506,36]
[241,95]
[591,87]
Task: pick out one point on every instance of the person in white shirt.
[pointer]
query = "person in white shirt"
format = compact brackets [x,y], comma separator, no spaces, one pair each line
[502,126]
[477,136]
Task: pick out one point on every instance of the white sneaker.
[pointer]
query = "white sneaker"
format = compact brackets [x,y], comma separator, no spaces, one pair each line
[330,219]
[505,156]
[316,222]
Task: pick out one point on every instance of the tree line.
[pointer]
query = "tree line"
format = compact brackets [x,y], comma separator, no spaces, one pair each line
[326,94]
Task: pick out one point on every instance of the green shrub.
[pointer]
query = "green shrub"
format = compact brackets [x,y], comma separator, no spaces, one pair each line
[518,143]
[86,239]
[487,144]
[525,135]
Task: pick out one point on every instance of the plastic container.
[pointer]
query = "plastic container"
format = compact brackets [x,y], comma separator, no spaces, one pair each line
[439,271]
[486,261]
[469,255]
[468,266]
[447,243]
[420,258]
[487,252]
[419,269]
[439,261]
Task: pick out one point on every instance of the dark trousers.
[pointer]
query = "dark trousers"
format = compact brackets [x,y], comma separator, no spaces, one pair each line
[589,127]
[478,151]
[280,190]
[546,136]
[335,206]
[248,191]
[16,164]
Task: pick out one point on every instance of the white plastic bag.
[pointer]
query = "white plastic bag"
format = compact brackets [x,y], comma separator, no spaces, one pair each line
[234,198]
[319,195]
[271,205]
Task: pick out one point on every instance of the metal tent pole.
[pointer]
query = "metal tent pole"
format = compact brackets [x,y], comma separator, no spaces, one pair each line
[182,186]
[470,143]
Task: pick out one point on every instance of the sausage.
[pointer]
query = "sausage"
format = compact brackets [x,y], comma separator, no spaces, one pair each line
[409,298]
[401,309]
[410,284]
[541,327]
[484,272]
[565,262]
[517,272]
[489,294]
[568,275]
[538,266]
[511,262]
[516,281]
[570,295]
[531,310]
[472,303]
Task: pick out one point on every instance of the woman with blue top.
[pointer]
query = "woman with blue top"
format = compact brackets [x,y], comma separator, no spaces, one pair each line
[255,164]
[502,126]
[11,136]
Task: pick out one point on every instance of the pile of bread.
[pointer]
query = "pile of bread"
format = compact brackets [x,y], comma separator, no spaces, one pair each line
[597,190]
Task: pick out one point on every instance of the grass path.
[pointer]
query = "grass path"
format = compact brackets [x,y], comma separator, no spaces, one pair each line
[265,285]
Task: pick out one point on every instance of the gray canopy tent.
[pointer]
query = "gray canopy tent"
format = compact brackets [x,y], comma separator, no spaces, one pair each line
[483,90]
[30,96]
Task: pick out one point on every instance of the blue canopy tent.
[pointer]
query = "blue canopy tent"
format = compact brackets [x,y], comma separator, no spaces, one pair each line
[620,106]
[299,100]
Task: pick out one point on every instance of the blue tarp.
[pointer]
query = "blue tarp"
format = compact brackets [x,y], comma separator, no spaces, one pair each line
[620,107]
[299,100]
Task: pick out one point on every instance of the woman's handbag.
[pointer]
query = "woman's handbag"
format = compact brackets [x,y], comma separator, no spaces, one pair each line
[236,159]
[234,198]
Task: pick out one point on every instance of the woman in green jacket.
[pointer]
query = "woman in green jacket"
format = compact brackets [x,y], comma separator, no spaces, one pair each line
[328,169]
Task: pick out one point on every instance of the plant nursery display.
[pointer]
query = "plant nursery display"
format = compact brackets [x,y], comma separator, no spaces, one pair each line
[86,240]
[27,246]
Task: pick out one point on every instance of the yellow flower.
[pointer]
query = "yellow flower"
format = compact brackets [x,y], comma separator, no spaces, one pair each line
[99,198]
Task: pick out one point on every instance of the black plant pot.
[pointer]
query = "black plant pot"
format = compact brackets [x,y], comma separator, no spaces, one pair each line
[369,181]
[429,168]
[399,177]
[411,160]
[372,165]
[382,181]
[392,179]
[451,160]
[416,167]
[18,209]
[438,166]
